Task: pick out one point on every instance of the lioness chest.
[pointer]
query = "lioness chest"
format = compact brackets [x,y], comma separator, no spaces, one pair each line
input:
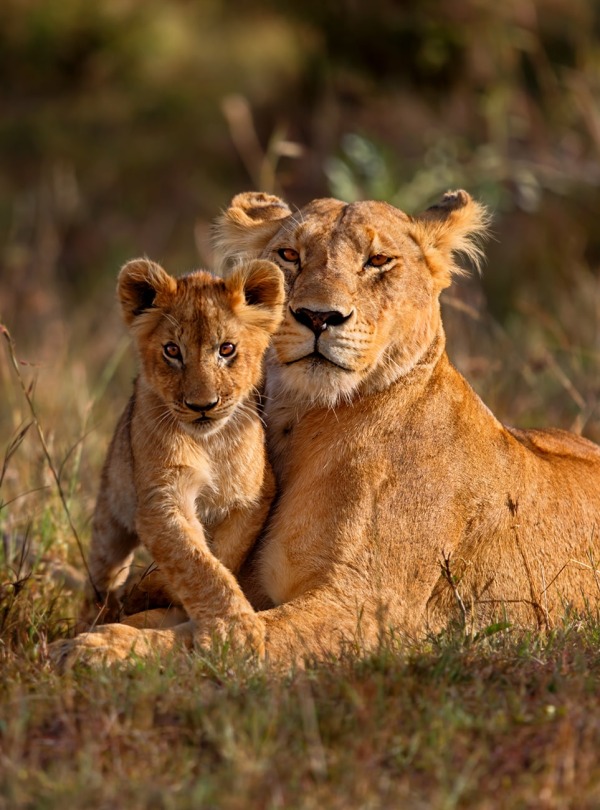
[310,540]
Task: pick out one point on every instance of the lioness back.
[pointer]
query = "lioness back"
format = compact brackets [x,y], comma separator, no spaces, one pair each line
[556,442]
[190,442]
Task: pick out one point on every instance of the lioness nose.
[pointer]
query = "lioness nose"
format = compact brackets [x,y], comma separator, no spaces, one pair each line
[194,406]
[318,322]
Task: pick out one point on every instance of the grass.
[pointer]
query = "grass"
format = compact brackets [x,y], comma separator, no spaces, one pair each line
[511,721]
[507,720]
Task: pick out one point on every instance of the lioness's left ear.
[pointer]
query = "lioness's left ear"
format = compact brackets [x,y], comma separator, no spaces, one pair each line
[455,225]
[258,293]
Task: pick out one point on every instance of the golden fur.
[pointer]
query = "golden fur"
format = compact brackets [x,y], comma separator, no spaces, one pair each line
[190,444]
[387,462]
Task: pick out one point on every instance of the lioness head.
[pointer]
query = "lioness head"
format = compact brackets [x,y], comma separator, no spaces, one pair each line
[201,339]
[362,283]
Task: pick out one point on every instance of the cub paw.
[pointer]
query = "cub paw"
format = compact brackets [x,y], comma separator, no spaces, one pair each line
[105,645]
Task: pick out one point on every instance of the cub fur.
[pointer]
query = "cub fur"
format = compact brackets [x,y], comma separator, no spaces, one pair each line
[189,447]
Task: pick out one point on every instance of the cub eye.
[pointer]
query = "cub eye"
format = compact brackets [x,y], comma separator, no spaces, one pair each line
[226,349]
[172,351]
[289,255]
[378,260]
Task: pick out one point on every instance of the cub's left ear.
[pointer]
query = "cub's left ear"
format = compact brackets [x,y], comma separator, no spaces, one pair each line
[258,294]
[455,225]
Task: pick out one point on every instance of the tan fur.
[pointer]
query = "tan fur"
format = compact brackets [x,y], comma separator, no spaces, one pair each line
[208,480]
[387,462]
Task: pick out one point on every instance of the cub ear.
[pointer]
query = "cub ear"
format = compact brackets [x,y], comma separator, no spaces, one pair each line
[257,294]
[140,286]
[455,225]
[247,226]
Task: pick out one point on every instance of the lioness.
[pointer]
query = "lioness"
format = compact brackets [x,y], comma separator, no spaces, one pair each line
[189,446]
[387,462]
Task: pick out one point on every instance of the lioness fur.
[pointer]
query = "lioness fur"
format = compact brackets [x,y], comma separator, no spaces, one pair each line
[187,459]
[403,502]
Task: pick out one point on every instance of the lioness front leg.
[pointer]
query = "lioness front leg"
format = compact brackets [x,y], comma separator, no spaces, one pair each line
[320,621]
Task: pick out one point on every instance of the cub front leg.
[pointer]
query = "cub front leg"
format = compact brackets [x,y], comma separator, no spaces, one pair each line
[168,526]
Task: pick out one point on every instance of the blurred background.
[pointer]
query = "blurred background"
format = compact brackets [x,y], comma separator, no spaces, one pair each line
[127,125]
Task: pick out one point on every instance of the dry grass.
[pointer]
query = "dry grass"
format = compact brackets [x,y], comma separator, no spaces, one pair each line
[510,721]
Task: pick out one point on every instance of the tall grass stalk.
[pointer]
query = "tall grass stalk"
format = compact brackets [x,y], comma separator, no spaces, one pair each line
[28,394]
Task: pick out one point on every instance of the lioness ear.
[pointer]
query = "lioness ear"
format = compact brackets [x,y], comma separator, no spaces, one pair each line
[246,227]
[455,225]
[257,294]
[139,285]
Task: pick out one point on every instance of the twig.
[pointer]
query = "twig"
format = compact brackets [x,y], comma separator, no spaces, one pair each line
[12,448]
[450,579]
[28,396]
[541,615]
[4,504]
[261,164]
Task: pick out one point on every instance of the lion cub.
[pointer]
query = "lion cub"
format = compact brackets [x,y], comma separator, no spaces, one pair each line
[187,459]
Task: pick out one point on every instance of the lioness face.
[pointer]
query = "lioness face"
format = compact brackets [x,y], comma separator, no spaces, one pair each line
[362,285]
[200,339]
[358,297]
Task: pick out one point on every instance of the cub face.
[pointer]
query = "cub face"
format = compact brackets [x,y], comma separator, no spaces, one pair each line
[362,284]
[201,339]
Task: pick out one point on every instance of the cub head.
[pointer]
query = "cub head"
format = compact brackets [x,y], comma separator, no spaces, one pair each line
[201,339]
[362,284]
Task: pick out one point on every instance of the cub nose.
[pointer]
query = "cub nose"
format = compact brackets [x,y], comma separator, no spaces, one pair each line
[318,322]
[197,408]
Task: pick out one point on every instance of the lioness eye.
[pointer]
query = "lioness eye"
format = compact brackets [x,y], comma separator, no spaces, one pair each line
[289,255]
[172,350]
[226,349]
[378,260]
